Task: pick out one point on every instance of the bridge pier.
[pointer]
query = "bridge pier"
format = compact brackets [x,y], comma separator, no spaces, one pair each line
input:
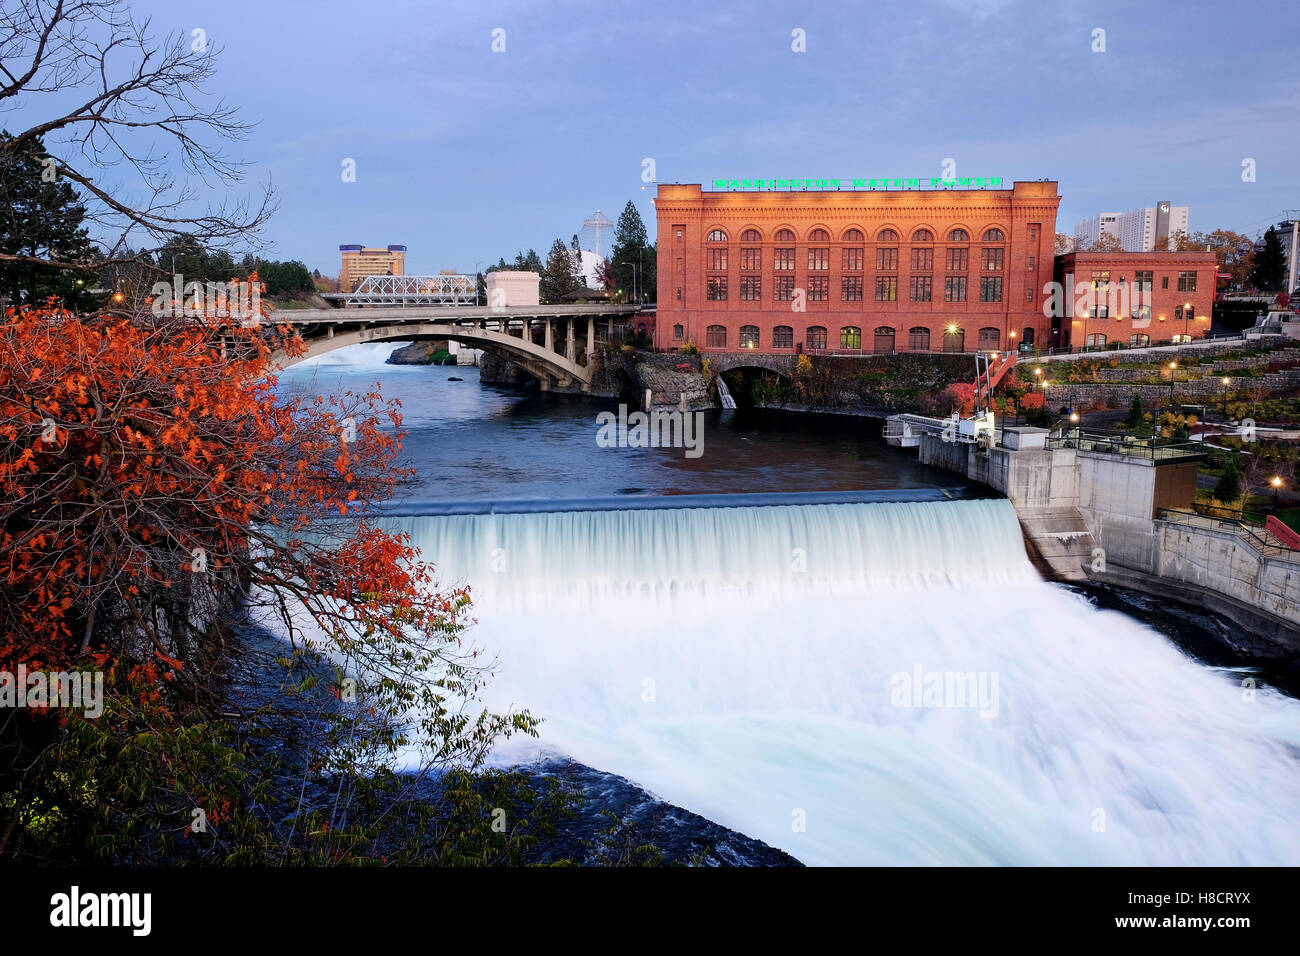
[570,351]
[550,336]
[591,339]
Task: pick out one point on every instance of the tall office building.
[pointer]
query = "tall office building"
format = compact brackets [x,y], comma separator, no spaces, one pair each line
[1139,230]
[361,261]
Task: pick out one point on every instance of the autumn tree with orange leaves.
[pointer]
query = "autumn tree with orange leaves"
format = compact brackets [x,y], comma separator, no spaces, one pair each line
[153,484]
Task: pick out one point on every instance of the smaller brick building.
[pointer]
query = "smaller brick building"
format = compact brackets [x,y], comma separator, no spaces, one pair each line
[1133,298]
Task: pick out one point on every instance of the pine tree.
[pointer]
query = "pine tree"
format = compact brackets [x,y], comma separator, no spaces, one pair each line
[628,256]
[579,273]
[557,275]
[1229,487]
[41,217]
[1270,264]
[1136,414]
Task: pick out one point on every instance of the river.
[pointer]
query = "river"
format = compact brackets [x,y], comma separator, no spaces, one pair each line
[851,682]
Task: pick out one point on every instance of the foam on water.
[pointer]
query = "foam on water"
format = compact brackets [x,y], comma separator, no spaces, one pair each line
[741,662]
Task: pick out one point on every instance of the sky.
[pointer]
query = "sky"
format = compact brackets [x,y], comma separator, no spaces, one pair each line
[465,155]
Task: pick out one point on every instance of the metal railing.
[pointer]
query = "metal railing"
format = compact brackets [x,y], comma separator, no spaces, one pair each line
[1233,522]
[1156,449]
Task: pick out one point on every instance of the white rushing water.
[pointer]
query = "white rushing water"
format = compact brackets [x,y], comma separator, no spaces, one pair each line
[744,662]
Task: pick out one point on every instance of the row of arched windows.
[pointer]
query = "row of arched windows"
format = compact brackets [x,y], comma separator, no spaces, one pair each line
[855,235]
[850,337]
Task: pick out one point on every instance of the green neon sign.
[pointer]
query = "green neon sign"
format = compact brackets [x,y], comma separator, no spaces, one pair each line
[913,182]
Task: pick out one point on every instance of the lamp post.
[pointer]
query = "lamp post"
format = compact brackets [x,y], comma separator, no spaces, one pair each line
[1226,382]
[1276,483]
[1173,367]
[1187,321]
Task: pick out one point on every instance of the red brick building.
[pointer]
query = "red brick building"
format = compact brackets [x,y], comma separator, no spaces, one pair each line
[1135,298]
[855,271]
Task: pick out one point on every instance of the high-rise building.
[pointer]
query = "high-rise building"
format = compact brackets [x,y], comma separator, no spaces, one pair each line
[1139,230]
[361,261]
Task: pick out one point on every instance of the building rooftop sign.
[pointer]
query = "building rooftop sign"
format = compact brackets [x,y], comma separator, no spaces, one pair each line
[916,182]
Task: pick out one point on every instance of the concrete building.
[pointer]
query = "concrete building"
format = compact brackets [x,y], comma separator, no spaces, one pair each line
[509,287]
[1134,298]
[1139,230]
[854,271]
[361,261]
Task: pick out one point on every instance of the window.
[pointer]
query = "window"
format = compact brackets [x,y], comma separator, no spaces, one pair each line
[1180,339]
[1030,267]
[751,288]
[1101,280]
[749,336]
[958,235]
[819,235]
[681,231]
[783,288]
[717,235]
[1178,313]
[819,259]
[851,289]
[1029,293]
[923,235]
[851,260]
[886,288]
[1144,281]
[816,337]
[1139,340]
[783,337]
[922,260]
[1027,336]
[954,339]
[784,235]
[991,289]
[717,290]
[679,293]
[678,332]
[853,235]
[992,260]
[1187,282]
[1164,282]
[954,289]
[994,235]
[886,235]
[751,259]
[819,288]
[717,259]
[884,339]
[783,260]
[1141,313]
[957,260]
[921,288]
[1033,232]
[990,339]
[716,337]
[918,339]
[751,235]
[887,260]
[1095,339]
[850,337]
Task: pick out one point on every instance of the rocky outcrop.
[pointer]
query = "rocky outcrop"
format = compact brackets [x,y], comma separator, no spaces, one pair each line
[417,353]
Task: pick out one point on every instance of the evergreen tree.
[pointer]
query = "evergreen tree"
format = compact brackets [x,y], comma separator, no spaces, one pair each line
[1270,264]
[42,218]
[628,256]
[1136,414]
[579,273]
[557,279]
[1229,485]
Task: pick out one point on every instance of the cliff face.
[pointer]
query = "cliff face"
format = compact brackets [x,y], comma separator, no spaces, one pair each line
[417,353]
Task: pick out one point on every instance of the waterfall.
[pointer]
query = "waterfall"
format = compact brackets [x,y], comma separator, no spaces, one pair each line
[724,394]
[772,668]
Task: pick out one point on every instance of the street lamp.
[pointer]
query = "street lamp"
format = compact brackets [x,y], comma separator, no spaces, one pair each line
[1187,319]
[1276,483]
[1226,382]
[1173,367]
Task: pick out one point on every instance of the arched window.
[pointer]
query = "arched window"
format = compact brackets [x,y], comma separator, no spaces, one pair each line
[959,235]
[954,339]
[717,235]
[884,340]
[816,337]
[923,235]
[784,235]
[716,337]
[918,339]
[850,337]
[749,336]
[783,337]
[853,235]
[751,235]
[1096,340]
[819,235]
[1139,340]
[887,235]
[678,332]
[990,339]
[994,235]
